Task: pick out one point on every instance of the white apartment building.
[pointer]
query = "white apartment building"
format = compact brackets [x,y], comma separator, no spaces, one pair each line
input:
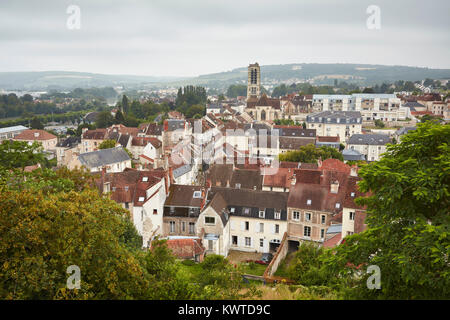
[385,107]
[335,123]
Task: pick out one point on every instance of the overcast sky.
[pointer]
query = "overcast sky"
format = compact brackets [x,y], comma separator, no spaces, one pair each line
[193,37]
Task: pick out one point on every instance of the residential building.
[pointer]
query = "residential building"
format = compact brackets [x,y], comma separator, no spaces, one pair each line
[335,123]
[255,220]
[67,149]
[143,193]
[46,139]
[318,197]
[114,160]
[182,209]
[372,146]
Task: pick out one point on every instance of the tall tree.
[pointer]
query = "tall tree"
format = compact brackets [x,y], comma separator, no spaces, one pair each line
[104,119]
[125,104]
[408,235]
[36,124]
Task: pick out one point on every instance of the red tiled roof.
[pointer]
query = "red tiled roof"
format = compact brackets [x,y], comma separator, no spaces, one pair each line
[128,186]
[185,248]
[279,178]
[97,134]
[143,141]
[327,139]
[333,241]
[335,165]
[360,217]
[147,158]
[124,130]
[308,176]
[33,134]
[315,185]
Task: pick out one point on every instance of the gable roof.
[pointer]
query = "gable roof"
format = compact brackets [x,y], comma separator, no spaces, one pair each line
[33,134]
[96,134]
[129,185]
[369,139]
[290,143]
[144,141]
[103,157]
[183,196]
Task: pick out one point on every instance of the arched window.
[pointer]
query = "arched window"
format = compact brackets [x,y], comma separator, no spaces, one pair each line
[263,115]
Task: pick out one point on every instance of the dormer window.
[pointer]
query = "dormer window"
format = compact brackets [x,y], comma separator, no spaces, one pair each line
[141,199]
[238,185]
[352,194]
[262,214]
[338,205]
[308,202]
[144,179]
[126,188]
[232,210]
[246,211]
[197,194]
[277,215]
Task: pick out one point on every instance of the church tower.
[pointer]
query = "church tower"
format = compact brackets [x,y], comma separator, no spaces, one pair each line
[254,81]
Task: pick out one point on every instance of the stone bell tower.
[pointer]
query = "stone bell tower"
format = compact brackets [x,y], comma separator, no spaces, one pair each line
[254,81]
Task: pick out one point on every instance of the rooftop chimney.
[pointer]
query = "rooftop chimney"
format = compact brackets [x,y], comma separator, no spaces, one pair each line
[319,162]
[294,179]
[354,171]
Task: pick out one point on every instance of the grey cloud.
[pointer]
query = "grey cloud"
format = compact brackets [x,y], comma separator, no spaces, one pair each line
[169,37]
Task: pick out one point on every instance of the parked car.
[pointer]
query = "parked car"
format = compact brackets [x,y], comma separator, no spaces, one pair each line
[265,258]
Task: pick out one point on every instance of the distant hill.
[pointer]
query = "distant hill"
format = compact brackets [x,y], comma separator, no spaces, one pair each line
[65,80]
[363,74]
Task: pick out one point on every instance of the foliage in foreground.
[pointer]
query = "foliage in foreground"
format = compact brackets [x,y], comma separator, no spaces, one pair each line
[50,220]
[408,226]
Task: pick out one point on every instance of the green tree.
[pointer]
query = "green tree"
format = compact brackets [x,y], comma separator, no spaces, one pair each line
[379,123]
[309,268]
[107,144]
[46,226]
[119,119]
[19,154]
[104,119]
[408,220]
[195,109]
[125,104]
[236,90]
[36,124]
[310,154]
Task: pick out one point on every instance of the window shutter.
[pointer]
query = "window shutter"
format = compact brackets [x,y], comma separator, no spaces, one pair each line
[242,225]
[257,228]
[273,228]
